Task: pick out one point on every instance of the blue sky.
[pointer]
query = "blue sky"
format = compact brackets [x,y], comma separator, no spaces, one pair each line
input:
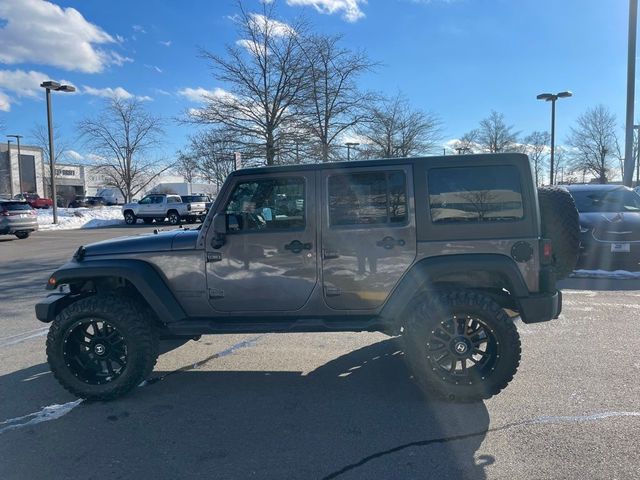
[456,58]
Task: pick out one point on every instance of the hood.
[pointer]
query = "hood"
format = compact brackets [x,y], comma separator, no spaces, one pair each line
[611,220]
[178,239]
[612,226]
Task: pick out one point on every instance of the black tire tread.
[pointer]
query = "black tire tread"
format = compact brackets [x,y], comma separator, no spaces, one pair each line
[423,309]
[560,222]
[141,330]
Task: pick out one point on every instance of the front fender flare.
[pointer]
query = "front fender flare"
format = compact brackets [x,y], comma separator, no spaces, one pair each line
[144,277]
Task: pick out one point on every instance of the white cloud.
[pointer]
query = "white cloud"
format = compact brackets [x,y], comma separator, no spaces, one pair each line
[350,9]
[161,92]
[118,92]
[41,32]
[166,43]
[75,156]
[19,83]
[274,26]
[254,47]
[138,28]
[108,92]
[201,95]
[5,102]
[153,67]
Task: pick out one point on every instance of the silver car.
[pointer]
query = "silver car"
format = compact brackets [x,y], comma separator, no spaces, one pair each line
[17,218]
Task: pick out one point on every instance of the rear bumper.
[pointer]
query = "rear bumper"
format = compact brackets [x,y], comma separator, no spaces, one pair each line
[10,228]
[540,308]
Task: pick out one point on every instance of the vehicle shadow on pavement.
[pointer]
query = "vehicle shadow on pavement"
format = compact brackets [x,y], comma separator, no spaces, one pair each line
[358,416]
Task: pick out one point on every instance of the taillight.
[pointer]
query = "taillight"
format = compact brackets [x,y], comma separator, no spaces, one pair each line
[546,251]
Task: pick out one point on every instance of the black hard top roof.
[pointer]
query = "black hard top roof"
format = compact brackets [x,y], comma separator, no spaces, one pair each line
[453,159]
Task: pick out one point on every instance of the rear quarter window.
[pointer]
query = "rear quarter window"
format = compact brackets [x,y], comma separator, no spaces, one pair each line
[15,206]
[482,194]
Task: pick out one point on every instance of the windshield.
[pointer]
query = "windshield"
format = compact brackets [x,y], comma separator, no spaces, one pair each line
[619,200]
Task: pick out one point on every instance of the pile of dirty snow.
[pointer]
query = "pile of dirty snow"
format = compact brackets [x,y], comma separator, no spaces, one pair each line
[615,274]
[72,218]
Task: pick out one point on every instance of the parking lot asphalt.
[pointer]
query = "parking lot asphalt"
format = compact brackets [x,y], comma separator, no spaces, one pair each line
[314,406]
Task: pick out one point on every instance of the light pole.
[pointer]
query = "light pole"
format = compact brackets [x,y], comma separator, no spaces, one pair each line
[48,86]
[18,137]
[550,97]
[350,145]
[627,178]
[637,127]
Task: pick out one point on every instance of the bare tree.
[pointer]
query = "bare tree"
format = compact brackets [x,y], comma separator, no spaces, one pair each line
[593,140]
[267,75]
[494,135]
[40,136]
[186,166]
[214,153]
[394,129]
[535,145]
[467,143]
[122,138]
[334,103]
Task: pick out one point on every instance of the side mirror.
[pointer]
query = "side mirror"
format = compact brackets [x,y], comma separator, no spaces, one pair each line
[219,230]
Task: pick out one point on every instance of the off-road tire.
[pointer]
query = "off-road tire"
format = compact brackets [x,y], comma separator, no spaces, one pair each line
[560,223]
[130,218]
[147,221]
[173,217]
[425,318]
[22,235]
[133,323]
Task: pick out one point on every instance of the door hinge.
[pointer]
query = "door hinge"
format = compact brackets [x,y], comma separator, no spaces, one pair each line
[214,256]
[216,293]
[332,291]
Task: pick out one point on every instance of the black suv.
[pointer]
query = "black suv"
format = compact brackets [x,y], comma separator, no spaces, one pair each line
[443,252]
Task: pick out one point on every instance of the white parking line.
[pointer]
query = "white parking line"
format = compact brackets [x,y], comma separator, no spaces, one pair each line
[23,337]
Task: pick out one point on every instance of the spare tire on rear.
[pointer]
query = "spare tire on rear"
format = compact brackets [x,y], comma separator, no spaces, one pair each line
[560,223]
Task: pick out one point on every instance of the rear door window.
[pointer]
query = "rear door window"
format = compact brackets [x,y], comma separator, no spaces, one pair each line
[367,198]
[482,194]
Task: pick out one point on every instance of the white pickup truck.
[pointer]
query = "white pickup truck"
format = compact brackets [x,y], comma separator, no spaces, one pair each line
[158,206]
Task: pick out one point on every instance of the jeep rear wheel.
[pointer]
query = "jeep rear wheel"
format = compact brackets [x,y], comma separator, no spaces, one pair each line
[560,223]
[130,218]
[461,345]
[102,346]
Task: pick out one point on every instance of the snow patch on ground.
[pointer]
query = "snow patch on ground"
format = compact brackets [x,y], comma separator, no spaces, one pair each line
[73,218]
[617,274]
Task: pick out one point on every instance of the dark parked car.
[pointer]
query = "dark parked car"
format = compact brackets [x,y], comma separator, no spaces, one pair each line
[609,226]
[84,201]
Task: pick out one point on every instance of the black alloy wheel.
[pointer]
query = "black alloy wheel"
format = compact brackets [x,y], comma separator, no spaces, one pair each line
[95,351]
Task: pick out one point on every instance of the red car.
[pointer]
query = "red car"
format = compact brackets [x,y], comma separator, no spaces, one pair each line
[34,200]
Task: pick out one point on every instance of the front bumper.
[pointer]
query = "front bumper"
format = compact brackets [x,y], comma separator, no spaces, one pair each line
[540,308]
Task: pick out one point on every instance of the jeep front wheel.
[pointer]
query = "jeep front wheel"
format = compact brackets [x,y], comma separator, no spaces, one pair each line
[101,347]
[461,345]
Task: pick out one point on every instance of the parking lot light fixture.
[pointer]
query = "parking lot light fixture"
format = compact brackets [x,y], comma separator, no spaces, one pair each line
[552,97]
[349,146]
[57,87]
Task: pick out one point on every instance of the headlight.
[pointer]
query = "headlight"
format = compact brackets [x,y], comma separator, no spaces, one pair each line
[583,229]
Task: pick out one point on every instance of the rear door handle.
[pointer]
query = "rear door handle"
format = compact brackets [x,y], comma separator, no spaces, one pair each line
[296,246]
[389,242]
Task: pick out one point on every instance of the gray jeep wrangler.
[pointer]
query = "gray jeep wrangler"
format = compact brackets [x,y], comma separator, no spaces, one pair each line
[443,252]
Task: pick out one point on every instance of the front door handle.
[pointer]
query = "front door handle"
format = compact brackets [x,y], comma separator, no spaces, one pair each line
[296,246]
[389,242]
